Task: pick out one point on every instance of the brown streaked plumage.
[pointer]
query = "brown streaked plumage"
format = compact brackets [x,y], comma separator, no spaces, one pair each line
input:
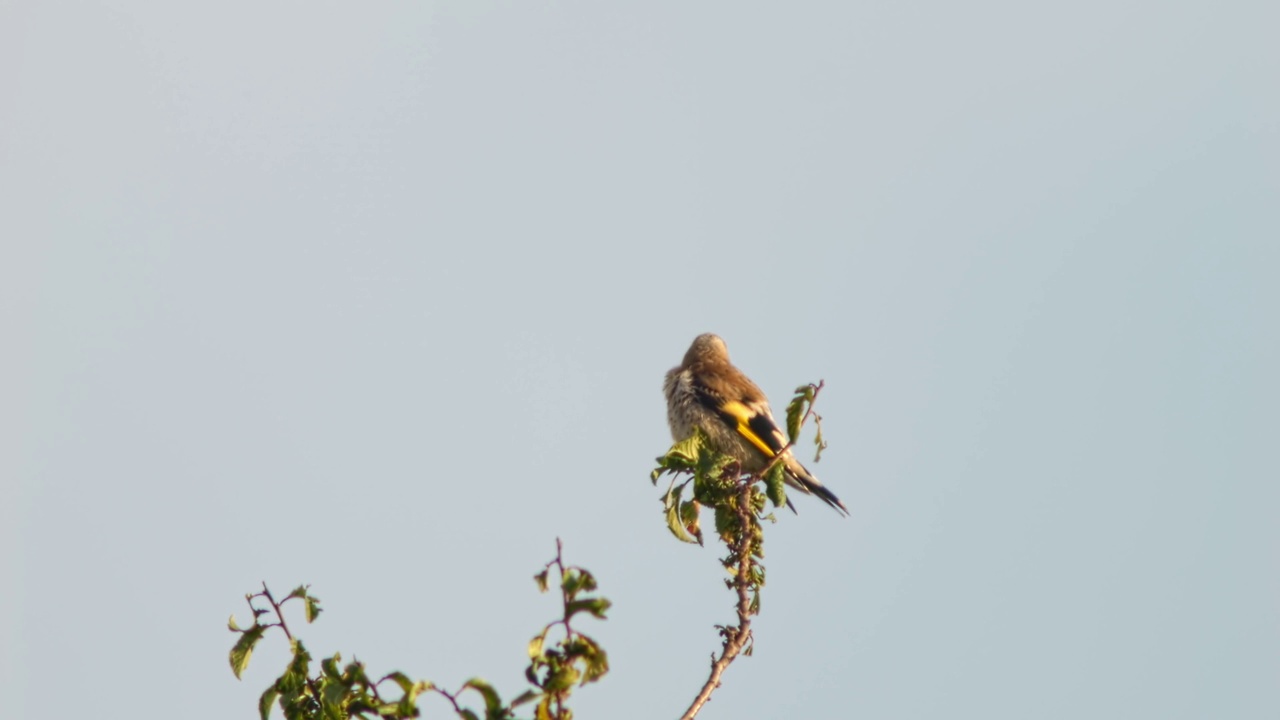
[707,391]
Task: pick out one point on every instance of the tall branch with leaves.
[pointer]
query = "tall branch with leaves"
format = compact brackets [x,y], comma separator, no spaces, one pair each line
[561,657]
[739,501]
[339,693]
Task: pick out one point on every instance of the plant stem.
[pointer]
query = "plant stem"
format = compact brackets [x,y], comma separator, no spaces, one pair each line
[737,636]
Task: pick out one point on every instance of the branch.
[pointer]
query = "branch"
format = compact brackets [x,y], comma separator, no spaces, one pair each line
[807,396]
[718,483]
[736,637]
[280,623]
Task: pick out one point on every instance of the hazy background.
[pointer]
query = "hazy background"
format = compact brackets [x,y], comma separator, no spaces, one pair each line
[379,297]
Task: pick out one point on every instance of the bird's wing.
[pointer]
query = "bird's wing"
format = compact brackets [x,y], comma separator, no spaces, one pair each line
[740,404]
[755,423]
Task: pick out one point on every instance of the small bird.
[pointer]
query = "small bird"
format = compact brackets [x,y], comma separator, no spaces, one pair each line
[707,391]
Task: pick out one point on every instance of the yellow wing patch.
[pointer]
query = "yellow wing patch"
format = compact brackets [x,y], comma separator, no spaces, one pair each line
[743,415]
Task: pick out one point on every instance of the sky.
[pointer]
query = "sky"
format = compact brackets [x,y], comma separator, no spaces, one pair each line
[379,297]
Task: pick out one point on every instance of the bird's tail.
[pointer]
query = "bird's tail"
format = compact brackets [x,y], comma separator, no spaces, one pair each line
[804,481]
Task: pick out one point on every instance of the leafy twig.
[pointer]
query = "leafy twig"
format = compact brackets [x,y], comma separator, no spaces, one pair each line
[736,637]
[348,692]
[739,505]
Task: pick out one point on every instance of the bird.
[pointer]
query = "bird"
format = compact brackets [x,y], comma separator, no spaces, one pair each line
[706,391]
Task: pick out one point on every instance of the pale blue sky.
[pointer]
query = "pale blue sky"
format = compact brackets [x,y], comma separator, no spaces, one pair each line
[374,295]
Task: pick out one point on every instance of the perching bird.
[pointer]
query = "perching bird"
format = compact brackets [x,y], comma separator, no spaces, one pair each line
[707,391]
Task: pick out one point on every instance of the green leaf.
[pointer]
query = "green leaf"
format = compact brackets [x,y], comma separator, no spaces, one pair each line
[298,592]
[492,703]
[570,582]
[333,696]
[524,697]
[673,495]
[713,466]
[243,649]
[410,690]
[795,410]
[689,516]
[418,688]
[674,521]
[562,679]
[594,658]
[264,702]
[687,450]
[300,665]
[231,624]
[290,687]
[596,606]
[541,579]
[313,608]
[577,580]
[400,679]
[535,645]
[775,482]
[329,666]
[468,714]
[355,673]
[726,521]
[597,666]
[682,457]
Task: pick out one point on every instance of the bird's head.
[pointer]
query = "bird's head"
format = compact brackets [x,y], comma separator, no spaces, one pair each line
[707,348]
